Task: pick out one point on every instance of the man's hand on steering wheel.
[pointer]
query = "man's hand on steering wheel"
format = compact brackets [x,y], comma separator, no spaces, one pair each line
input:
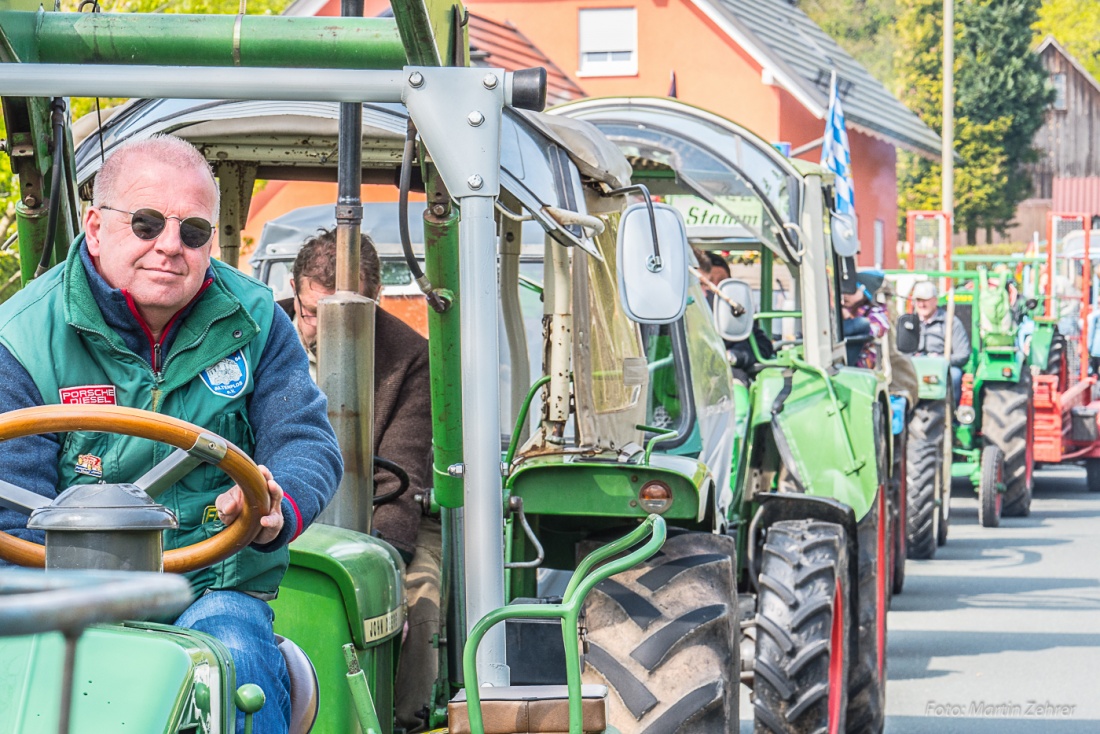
[230,503]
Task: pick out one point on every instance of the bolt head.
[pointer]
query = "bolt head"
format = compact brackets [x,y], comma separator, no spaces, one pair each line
[475,118]
[30,201]
[439,210]
[456,470]
[490,81]
[475,182]
[416,79]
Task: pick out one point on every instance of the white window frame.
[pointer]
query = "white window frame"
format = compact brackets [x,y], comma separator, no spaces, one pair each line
[607,42]
[1059,82]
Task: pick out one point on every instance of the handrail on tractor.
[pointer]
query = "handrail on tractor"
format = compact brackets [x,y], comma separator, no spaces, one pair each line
[568,611]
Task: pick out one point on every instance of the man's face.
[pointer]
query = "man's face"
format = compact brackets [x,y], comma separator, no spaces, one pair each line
[306,295]
[925,307]
[162,275]
[718,273]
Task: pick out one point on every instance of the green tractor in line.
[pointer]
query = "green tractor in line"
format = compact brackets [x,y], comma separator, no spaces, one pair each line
[994,417]
[750,489]
[810,436]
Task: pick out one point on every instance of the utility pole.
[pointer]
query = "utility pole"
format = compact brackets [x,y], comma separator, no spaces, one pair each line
[948,132]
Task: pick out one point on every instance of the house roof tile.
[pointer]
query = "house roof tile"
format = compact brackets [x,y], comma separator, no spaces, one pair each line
[801,57]
[493,43]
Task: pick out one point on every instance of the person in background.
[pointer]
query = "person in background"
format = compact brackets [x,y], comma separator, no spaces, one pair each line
[933,331]
[403,435]
[865,320]
[719,268]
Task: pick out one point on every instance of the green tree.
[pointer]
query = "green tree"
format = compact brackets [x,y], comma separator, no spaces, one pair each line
[1000,102]
[1003,87]
[1074,23]
[9,188]
[863,28]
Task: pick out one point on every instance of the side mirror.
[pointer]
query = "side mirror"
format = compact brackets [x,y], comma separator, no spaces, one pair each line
[733,310]
[908,339]
[653,275]
[845,239]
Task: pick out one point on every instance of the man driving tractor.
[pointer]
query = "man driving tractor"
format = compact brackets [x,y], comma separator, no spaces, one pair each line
[140,312]
[933,328]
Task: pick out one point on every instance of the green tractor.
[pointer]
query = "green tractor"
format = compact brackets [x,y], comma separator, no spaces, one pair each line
[639,429]
[810,436]
[994,414]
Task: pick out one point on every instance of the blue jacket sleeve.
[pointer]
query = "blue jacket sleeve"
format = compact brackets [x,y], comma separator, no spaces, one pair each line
[31,462]
[289,417]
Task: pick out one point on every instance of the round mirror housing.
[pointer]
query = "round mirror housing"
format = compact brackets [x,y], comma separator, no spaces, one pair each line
[733,310]
[908,338]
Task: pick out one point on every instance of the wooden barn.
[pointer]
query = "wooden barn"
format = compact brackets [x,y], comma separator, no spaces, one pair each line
[1067,176]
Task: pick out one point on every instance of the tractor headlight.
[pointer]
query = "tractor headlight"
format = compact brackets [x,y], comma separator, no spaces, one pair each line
[655,496]
[965,414]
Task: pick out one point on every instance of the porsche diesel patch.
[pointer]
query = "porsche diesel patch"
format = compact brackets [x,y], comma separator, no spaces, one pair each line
[88,395]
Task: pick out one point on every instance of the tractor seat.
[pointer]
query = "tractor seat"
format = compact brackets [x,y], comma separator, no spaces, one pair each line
[304,691]
[530,710]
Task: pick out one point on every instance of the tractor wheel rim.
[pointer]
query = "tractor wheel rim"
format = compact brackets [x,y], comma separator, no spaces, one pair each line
[837,663]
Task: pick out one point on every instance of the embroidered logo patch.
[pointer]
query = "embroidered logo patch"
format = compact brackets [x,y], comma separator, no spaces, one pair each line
[228,377]
[210,514]
[88,395]
[89,465]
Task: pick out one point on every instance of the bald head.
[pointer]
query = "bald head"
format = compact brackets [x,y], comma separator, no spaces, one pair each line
[165,149]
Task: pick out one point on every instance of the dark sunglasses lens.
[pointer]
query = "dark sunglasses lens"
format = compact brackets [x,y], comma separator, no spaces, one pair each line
[147,223]
[195,232]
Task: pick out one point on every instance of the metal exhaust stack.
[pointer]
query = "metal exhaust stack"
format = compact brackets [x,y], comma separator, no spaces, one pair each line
[345,334]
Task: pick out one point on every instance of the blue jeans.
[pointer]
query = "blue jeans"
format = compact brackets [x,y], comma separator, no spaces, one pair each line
[956,383]
[243,624]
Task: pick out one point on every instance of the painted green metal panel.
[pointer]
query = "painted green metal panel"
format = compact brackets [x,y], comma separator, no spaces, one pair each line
[932,372]
[126,679]
[1039,344]
[367,573]
[566,486]
[992,367]
[427,29]
[205,40]
[816,433]
[311,611]
[441,267]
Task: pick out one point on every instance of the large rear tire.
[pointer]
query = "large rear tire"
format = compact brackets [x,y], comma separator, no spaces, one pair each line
[867,685]
[924,475]
[899,545]
[802,629]
[664,638]
[1006,414]
[1056,361]
[1092,474]
[990,498]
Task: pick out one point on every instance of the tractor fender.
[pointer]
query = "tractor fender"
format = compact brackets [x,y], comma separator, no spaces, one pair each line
[933,375]
[777,506]
[996,367]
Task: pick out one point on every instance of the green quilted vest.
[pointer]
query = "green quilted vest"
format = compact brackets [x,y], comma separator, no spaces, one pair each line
[54,328]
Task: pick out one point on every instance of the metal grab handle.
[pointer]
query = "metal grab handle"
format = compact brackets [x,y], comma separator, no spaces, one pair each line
[583,581]
[515,504]
[32,602]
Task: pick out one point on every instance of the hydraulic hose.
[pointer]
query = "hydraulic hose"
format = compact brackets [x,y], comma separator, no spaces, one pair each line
[57,106]
[397,471]
[404,184]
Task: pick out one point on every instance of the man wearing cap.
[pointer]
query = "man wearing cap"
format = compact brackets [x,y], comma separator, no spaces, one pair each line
[933,328]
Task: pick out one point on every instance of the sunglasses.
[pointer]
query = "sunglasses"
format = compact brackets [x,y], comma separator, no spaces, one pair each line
[148,224]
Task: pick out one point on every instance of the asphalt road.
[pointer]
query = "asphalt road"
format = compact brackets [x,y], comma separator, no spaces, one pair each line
[1000,633]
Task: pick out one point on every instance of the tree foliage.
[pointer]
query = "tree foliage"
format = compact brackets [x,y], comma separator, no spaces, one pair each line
[863,28]
[1076,25]
[1000,102]
[9,189]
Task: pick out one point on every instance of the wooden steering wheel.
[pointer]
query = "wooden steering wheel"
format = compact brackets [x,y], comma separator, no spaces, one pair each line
[156,427]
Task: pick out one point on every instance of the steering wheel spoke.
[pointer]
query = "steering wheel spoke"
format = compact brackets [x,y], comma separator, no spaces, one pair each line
[14,497]
[208,449]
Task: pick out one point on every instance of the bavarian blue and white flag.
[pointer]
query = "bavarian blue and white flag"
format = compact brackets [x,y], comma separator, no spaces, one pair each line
[836,157]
